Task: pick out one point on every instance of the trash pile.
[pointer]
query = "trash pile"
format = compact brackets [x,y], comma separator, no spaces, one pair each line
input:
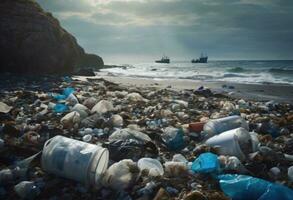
[73,139]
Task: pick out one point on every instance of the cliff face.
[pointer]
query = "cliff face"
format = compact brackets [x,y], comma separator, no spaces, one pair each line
[32,41]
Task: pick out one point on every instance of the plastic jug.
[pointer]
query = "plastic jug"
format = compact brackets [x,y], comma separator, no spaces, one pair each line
[217,126]
[76,160]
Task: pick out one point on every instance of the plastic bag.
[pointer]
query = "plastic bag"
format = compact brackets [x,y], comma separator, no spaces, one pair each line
[242,187]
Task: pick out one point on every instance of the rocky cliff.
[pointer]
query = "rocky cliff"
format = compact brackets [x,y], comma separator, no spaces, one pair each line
[32,41]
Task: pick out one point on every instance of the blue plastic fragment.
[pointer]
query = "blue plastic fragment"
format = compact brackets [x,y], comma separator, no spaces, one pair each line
[59,97]
[67,79]
[206,163]
[60,108]
[177,143]
[242,187]
[67,91]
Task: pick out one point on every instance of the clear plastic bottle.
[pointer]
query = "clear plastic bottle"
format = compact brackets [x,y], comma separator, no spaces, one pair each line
[217,126]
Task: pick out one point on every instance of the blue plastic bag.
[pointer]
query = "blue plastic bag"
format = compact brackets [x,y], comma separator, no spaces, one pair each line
[206,163]
[242,187]
[60,108]
[67,91]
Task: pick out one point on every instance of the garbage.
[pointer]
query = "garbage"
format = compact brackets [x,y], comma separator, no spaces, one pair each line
[60,108]
[102,106]
[27,190]
[126,133]
[121,175]
[206,163]
[241,186]
[4,108]
[71,120]
[173,138]
[150,141]
[175,169]
[217,126]
[131,149]
[290,173]
[237,142]
[153,166]
[64,157]
[196,127]
[82,110]
[268,128]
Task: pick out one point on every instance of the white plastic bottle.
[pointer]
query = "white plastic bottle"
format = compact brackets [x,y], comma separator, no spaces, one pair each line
[217,126]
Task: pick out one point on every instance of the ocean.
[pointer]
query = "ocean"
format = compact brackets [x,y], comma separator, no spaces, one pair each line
[232,71]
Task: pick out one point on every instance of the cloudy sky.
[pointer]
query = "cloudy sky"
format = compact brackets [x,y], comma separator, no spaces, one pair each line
[142,30]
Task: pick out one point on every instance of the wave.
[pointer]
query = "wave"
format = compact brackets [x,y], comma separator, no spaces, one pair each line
[232,75]
[281,71]
[236,70]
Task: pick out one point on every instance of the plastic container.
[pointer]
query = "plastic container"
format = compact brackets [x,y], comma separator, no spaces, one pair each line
[76,160]
[217,126]
[237,142]
[241,187]
[154,166]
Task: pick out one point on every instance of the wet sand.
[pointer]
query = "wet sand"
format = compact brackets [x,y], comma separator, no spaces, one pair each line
[258,92]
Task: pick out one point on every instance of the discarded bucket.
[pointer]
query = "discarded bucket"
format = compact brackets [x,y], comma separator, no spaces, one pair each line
[217,126]
[76,160]
[237,142]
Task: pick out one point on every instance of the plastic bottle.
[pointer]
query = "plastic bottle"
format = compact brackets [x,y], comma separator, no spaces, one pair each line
[217,126]
[173,138]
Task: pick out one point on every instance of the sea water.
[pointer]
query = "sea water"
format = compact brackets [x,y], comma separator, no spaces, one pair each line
[232,71]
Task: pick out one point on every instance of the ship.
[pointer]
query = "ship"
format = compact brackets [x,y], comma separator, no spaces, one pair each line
[164,59]
[202,59]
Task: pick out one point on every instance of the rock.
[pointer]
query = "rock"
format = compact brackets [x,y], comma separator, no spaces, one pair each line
[121,175]
[70,120]
[81,109]
[85,72]
[135,97]
[117,121]
[90,102]
[102,106]
[4,108]
[32,41]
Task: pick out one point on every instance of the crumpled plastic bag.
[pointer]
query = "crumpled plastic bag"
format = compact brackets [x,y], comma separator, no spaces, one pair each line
[242,187]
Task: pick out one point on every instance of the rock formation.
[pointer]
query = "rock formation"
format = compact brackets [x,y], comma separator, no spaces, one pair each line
[32,41]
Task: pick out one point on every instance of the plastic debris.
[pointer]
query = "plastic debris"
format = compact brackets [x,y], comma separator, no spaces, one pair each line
[173,138]
[239,187]
[4,108]
[206,163]
[153,166]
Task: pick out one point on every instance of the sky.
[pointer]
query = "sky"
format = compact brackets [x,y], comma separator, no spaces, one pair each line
[143,30]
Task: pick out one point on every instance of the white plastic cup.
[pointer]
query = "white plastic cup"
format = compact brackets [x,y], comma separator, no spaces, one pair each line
[229,142]
[76,160]
[217,126]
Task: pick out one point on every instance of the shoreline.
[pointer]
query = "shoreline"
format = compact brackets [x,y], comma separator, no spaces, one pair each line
[281,93]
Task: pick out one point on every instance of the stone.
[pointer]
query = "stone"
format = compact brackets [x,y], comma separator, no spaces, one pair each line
[102,106]
[70,120]
[4,108]
[32,41]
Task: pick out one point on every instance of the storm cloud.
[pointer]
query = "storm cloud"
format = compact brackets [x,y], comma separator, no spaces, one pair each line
[131,30]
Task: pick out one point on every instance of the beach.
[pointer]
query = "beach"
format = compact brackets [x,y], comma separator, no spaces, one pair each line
[153,132]
[257,92]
